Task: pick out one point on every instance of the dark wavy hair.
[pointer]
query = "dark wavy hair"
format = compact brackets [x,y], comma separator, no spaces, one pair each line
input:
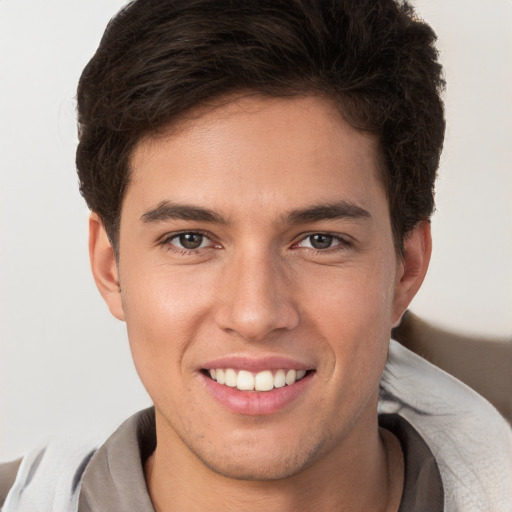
[158,59]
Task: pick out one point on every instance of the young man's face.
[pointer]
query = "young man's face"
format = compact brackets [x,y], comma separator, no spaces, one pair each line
[255,241]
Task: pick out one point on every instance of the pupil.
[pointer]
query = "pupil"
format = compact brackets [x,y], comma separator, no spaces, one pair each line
[191,240]
[321,241]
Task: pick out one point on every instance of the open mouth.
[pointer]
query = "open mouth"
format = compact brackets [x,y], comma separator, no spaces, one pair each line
[266,380]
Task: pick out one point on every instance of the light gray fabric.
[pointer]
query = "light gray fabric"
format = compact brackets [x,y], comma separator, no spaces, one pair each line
[471,441]
[49,478]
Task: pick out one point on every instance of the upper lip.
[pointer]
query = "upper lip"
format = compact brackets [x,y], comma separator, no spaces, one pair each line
[256,364]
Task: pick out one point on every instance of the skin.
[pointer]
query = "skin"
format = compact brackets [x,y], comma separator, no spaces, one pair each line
[258,287]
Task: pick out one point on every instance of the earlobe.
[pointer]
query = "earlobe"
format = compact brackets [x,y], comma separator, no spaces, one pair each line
[412,268]
[104,266]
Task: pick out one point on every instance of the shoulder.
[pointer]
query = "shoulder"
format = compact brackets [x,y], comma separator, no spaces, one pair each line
[471,441]
[8,472]
[70,474]
[49,476]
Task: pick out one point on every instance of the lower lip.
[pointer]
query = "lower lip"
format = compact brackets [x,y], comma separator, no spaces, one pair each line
[254,403]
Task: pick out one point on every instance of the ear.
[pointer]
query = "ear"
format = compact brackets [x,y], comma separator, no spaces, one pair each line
[412,268]
[104,266]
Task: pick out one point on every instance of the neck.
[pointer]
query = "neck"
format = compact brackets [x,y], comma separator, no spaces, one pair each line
[367,478]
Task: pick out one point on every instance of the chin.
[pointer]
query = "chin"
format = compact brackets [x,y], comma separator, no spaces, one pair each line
[257,469]
[258,461]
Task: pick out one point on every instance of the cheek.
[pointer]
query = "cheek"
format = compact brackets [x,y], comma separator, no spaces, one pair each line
[353,313]
[162,311]
[352,298]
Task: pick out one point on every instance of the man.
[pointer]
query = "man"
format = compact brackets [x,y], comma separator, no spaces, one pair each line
[260,176]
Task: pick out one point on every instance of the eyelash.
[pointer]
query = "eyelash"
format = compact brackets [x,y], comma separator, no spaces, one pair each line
[343,243]
[182,251]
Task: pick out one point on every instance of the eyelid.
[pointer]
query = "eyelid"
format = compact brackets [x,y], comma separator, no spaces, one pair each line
[168,237]
[344,240]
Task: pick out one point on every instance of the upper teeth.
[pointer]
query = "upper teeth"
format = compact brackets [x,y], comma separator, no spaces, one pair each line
[261,381]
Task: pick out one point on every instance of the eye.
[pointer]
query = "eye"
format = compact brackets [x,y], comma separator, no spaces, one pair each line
[321,241]
[189,241]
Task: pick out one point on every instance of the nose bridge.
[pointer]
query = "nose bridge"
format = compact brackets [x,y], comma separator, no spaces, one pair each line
[256,300]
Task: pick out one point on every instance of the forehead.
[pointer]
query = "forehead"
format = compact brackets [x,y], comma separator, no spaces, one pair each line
[257,151]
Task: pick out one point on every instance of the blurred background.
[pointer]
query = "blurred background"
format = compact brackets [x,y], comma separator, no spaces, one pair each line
[65,364]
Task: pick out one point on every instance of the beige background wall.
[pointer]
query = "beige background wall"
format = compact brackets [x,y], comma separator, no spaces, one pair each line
[64,363]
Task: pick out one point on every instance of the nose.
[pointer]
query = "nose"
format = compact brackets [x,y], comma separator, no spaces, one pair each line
[256,298]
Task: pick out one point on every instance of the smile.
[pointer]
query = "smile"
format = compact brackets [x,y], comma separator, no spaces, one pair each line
[266,380]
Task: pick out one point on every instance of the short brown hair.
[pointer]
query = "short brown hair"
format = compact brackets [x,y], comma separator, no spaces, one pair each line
[159,59]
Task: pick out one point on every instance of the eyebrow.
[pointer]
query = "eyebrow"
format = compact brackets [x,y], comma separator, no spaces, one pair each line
[329,211]
[167,210]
